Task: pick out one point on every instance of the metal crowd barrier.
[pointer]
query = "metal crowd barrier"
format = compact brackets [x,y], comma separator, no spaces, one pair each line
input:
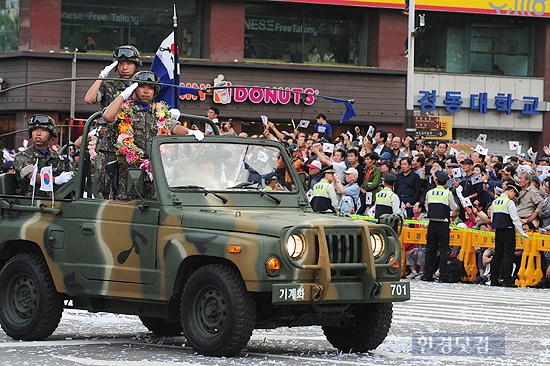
[530,271]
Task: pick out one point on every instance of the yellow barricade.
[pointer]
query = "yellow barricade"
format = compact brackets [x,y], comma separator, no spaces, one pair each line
[529,273]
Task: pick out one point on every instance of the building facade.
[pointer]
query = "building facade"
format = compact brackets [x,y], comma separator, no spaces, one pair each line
[349,49]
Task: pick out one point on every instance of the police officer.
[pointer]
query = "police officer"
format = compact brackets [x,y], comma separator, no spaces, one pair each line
[504,218]
[324,195]
[42,130]
[439,203]
[387,202]
[127,60]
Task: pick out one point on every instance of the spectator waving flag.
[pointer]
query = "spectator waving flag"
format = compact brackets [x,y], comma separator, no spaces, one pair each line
[163,66]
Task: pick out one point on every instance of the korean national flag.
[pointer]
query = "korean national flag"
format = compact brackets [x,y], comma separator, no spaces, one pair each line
[482,138]
[46,179]
[34,172]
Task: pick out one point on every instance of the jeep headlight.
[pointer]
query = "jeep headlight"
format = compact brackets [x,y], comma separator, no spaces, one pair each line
[378,244]
[296,246]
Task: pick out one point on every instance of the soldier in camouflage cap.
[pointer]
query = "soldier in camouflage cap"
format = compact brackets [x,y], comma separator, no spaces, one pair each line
[42,130]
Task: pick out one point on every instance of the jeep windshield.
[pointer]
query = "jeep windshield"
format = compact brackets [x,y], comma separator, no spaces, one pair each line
[226,167]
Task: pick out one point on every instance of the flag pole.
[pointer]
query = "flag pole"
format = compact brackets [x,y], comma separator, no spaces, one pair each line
[176,53]
[51,177]
[33,178]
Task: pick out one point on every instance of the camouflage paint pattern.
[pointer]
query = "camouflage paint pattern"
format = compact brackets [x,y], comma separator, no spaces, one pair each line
[136,251]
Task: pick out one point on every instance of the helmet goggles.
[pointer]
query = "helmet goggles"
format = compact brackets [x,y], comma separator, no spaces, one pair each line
[124,53]
[40,119]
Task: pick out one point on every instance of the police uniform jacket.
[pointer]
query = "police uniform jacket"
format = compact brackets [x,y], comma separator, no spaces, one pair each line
[440,202]
[504,214]
[322,200]
[387,202]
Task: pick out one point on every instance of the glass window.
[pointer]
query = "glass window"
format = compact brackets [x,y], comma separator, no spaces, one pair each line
[225,167]
[303,33]
[9,25]
[103,25]
[476,44]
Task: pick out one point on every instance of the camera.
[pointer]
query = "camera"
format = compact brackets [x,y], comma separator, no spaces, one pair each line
[412,145]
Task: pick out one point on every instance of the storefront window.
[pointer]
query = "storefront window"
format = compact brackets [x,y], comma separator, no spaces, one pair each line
[476,44]
[9,25]
[306,33]
[103,25]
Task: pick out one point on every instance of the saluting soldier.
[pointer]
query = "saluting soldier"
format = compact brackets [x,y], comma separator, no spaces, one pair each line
[504,217]
[439,203]
[387,202]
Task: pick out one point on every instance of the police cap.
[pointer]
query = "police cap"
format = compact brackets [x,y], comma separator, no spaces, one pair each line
[327,169]
[513,186]
[389,178]
[441,176]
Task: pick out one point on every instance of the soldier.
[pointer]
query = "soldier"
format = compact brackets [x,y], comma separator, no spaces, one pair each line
[42,130]
[387,202]
[324,195]
[504,218]
[439,204]
[127,141]
[127,60]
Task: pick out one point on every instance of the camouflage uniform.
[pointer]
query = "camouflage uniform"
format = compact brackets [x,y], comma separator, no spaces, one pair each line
[24,164]
[144,125]
[108,91]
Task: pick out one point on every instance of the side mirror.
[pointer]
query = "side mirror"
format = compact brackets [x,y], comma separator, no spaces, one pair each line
[134,182]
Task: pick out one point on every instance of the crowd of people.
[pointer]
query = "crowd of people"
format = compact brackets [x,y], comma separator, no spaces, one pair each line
[372,174]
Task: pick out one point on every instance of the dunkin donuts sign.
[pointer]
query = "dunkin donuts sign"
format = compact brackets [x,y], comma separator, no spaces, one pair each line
[240,94]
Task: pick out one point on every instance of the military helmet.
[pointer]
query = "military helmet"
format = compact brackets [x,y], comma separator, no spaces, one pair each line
[42,121]
[128,53]
[150,78]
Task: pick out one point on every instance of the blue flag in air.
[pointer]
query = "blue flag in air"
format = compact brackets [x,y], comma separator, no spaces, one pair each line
[163,66]
[350,111]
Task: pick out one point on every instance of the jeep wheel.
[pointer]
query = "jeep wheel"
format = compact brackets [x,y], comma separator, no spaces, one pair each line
[159,326]
[218,314]
[30,306]
[365,331]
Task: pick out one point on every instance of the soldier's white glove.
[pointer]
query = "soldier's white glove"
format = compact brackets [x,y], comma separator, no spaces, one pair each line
[128,91]
[105,72]
[175,114]
[197,133]
[63,178]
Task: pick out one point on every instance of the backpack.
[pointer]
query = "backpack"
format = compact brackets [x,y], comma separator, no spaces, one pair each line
[455,270]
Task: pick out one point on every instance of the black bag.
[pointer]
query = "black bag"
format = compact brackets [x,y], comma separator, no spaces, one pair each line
[455,270]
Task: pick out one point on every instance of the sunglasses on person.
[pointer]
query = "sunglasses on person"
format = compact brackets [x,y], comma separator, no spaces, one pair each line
[122,53]
[40,119]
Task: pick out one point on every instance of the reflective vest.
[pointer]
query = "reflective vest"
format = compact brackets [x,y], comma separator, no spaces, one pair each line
[321,199]
[438,202]
[383,203]
[501,217]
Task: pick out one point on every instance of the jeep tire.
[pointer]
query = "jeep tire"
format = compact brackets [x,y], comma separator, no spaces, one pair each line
[218,314]
[365,331]
[160,327]
[30,306]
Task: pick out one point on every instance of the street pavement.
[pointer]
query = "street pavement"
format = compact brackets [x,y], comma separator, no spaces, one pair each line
[443,317]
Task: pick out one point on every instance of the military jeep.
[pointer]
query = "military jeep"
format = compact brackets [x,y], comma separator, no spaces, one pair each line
[213,256]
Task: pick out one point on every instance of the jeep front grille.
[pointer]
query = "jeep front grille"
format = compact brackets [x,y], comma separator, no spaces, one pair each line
[343,247]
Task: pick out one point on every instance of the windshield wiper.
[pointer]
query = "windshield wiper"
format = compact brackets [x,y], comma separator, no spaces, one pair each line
[206,192]
[264,193]
[243,185]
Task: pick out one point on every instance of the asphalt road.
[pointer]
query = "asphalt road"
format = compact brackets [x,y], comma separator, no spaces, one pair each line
[447,316]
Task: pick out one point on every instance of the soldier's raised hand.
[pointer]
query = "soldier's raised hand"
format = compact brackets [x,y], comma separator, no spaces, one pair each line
[105,72]
[128,91]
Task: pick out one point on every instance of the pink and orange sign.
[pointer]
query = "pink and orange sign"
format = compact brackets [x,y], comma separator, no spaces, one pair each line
[528,8]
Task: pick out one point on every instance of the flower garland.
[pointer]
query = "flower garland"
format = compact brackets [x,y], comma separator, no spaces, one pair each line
[125,141]
[92,147]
